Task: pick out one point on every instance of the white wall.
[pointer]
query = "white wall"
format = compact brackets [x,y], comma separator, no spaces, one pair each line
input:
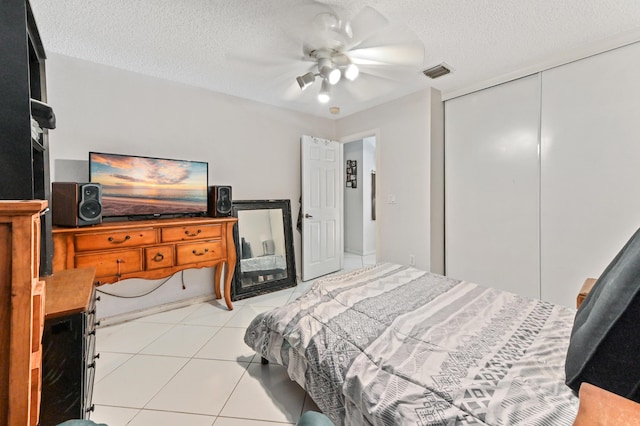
[359,227]
[353,226]
[368,224]
[403,136]
[436,235]
[250,146]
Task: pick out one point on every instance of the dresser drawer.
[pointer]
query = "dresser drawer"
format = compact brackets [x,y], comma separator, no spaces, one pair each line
[191,232]
[115,239]
[90,348]
[158,257]
[112,262]
[87,404]
[198,252]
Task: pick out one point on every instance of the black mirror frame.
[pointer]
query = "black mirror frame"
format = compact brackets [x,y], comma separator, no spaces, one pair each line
[237,292]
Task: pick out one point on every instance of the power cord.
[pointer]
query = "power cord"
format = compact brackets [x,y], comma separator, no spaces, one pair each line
[184,287]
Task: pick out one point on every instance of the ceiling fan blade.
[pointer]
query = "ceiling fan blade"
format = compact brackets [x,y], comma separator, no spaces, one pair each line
[407,54]
[364,25]
[392,74]
[271,60]
[364,88]
[266,67]
[301,22]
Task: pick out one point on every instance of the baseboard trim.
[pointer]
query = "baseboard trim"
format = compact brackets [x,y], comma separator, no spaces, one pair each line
[130,316]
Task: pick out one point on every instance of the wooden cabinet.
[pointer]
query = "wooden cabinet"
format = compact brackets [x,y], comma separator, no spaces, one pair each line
[584,291]
[68,355]
[22,298]
[149,249]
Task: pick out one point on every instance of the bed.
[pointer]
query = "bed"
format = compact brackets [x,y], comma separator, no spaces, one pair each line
[268,265]
[392,345]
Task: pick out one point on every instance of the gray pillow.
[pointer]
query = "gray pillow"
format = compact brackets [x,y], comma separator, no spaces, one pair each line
[604,349]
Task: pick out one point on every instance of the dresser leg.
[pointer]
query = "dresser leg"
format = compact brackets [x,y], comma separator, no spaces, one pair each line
[227,286]
[217,279]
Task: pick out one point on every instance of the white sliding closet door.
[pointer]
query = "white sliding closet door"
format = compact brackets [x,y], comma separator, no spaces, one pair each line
[590,179]
[492,187]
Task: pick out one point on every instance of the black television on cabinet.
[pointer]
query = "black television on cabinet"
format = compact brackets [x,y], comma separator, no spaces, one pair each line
[136,186]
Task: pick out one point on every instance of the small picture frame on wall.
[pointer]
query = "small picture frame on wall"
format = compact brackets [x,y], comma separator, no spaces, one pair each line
[351,173]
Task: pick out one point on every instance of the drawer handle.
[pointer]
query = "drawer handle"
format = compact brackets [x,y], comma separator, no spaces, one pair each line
[96,356]
[92,312]
[97,324]
[92,365]
[91,409]
[113,240]
[158,257]
[202,253]
[188,234]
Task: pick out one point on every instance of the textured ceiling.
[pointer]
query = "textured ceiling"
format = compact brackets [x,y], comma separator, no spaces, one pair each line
[247,48]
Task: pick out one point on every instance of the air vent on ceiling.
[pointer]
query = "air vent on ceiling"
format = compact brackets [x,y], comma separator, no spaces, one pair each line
[437,71]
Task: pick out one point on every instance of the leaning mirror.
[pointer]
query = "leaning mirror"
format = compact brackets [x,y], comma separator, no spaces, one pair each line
[264,245]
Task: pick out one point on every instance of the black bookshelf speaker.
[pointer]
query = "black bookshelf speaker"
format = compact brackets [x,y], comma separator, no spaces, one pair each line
[220,201]
[76,204]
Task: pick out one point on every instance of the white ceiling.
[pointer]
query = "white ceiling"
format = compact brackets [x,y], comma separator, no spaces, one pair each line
[244,47]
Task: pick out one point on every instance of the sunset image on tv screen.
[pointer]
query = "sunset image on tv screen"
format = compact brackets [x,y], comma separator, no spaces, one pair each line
[149,186]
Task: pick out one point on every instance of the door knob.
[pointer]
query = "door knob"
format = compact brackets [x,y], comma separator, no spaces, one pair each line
[307,215]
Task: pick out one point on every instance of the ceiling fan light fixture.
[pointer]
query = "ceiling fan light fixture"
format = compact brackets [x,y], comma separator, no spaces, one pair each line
[328,70]
[351,72]
[334,76]
[306,80]
[324,95]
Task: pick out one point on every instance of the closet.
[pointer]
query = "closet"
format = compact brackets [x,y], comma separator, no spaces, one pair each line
[541,176]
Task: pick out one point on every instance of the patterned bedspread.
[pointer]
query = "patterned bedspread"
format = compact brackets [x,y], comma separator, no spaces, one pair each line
[391,345]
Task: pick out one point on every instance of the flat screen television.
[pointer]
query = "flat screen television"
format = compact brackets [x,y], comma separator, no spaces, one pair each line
[147,186]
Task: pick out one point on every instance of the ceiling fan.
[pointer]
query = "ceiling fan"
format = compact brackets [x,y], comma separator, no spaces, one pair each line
[344,50]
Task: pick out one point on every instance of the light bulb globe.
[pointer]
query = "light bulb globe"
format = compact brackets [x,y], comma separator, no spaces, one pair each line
[351,72]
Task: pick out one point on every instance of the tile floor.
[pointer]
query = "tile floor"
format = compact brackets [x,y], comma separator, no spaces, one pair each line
[190,366]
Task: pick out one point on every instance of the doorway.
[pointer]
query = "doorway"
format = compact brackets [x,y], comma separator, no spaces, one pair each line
[359,213]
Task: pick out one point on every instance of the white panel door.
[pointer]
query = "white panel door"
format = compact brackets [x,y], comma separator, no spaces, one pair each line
[491,187]
[590,180]
[321,207]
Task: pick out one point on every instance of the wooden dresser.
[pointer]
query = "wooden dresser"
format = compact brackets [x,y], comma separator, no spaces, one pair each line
[21,311]
[149,249]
